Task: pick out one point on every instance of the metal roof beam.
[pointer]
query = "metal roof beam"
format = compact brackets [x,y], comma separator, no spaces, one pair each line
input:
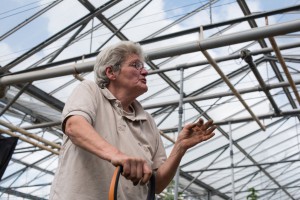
[243,166]
[174,57]
[219,94]
[67,43]
[176,50]
[103,20]
[203,185]
[58,35]
[232,88]
[224,40]
[119,29]
[244,7]
[205,27]
[19,194]
[286,58]
[83,35]
[294,112]
[202,7]
[242,178]
[246,55]
[24,110]
[227,145]
[219,24]
[33,165]
[177,67]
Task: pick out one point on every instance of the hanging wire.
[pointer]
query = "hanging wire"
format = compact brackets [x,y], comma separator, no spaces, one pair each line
[25,10]
[21,7]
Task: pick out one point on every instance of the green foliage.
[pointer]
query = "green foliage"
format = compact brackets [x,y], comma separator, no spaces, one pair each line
[169,195]
[252,195]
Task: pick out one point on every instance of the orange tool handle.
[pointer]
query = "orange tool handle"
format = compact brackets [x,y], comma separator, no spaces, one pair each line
[113,189]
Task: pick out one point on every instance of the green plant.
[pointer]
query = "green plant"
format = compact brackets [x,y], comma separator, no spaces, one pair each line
[252,195]
[169,195]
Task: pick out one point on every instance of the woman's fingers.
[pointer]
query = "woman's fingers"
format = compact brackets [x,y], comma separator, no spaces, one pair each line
[136,170]
[147,173]
[126,169]
[207,125]
[211,129]
[137,173]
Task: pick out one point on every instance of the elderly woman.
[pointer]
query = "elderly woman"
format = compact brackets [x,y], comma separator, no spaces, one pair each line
[105,126]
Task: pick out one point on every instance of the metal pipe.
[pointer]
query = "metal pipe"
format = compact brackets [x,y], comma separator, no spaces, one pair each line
[43,73]
[180,113]
[28,141]
[232,163]
[222,58]
[246,55]
[42,125]
[225,40]
[264,116]
[193,30]
[24,132]
[232,88]
[177,67]
[49,73]
[243,166]
[272,115]
[219,94]
[219,24]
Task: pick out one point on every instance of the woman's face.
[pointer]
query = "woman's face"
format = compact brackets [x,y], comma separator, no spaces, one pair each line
[132,75]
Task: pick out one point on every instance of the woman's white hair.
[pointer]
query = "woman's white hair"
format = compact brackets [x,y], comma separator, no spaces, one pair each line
[113,56]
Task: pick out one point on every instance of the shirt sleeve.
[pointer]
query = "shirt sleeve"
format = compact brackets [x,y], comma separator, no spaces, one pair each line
[81,102]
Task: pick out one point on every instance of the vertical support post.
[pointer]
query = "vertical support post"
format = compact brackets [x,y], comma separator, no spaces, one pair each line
[180,113]
[232,164]
[209,195]
[92,31]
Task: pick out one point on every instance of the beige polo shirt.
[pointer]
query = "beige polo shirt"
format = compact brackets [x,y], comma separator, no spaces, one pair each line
[82,175]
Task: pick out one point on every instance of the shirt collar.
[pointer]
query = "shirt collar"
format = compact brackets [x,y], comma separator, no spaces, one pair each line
[139,111]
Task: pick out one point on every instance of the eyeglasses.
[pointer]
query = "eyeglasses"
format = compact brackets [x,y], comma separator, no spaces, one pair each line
[137,65]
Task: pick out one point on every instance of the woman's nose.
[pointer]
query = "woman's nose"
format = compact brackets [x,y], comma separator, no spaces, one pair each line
[144,72]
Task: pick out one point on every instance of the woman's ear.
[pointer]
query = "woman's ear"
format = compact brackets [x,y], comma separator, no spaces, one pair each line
[110,73]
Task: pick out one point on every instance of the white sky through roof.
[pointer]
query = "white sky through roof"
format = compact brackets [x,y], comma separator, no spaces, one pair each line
[265,160]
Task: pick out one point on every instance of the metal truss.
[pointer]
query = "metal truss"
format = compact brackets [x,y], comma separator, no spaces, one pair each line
[19,118]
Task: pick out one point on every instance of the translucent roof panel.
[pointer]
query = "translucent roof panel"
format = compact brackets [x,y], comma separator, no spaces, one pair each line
[236,60]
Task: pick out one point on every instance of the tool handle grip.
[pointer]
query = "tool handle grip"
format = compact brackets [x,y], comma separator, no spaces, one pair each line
[115,181]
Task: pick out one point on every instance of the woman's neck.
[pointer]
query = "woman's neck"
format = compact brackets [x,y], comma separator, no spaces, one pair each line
[125,98]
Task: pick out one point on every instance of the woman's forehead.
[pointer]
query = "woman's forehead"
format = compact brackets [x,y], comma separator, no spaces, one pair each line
[133,57]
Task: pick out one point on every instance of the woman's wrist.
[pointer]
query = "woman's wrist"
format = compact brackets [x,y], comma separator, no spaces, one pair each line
[178,149]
